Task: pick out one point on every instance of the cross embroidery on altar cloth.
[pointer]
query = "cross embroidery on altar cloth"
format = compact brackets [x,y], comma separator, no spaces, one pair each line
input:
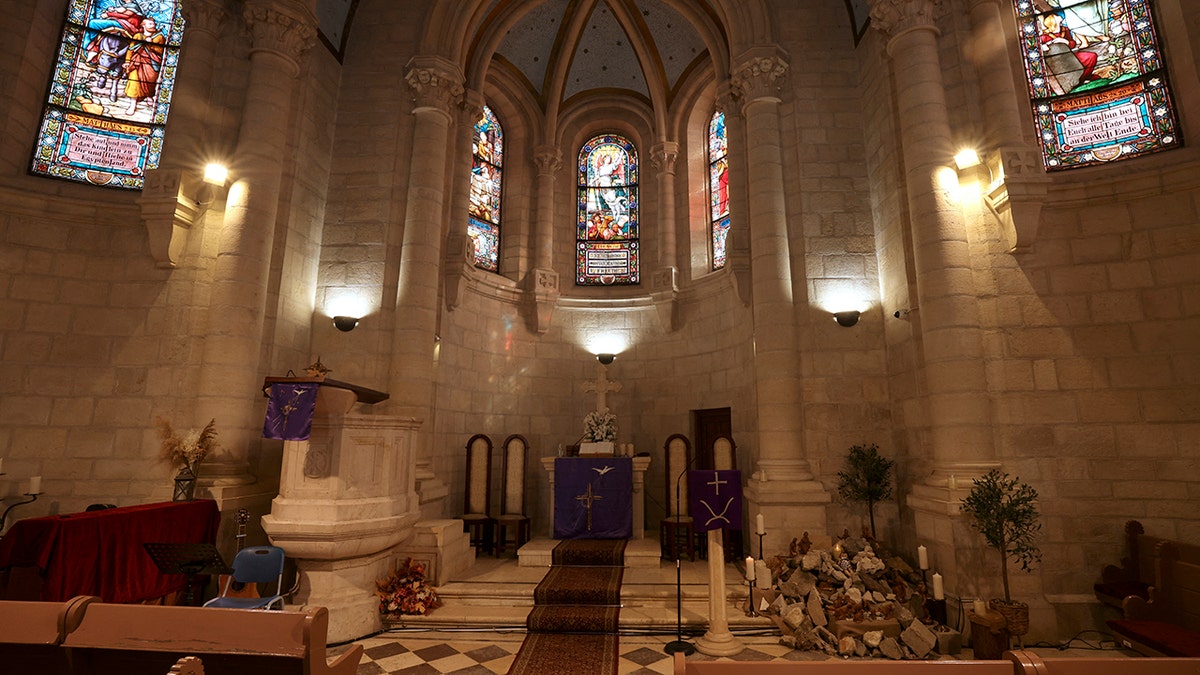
[586,499]
[715,498]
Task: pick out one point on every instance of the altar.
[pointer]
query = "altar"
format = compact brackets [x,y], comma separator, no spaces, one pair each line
[637,498]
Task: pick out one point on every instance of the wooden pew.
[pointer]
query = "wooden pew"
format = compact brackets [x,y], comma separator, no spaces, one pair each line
[1168,624]
[1135,574]
[151,639]
[845,667]
[31,632]
[1032,664]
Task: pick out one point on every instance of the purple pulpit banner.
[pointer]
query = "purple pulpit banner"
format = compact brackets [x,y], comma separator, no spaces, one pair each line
[593,498]
[715,498]
[290,411]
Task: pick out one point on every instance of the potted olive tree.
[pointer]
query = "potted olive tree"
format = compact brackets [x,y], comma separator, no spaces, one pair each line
[1004,510]
[867,478]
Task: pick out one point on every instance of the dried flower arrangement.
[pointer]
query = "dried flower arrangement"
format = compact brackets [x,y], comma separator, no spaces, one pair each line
[405,591]
[189,449]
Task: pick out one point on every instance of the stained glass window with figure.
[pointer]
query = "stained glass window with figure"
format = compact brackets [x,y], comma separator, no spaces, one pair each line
[718,187]
[483,213]
[606,240]
[110,92]
[1097,80]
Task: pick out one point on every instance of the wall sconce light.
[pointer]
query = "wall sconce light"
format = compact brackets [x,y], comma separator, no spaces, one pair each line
[345,323]
[606,358]
[215,174]
[848,318]
[966,159]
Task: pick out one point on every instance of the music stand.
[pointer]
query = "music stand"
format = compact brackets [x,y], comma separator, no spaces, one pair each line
[190,560]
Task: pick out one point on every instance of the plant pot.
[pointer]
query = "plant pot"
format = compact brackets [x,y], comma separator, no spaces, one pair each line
[1015,613]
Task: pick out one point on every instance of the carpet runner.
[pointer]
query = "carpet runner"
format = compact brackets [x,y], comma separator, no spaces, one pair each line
[573,624]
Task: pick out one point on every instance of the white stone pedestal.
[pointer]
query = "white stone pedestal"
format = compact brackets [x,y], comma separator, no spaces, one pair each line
[717,641]
[640,464]
[347,499]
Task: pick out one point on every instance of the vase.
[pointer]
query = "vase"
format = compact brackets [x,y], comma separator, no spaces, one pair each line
[185,485]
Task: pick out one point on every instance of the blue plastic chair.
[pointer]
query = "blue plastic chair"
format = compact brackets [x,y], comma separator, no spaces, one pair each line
[254,565]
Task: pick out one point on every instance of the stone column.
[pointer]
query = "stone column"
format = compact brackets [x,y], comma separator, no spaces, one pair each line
[545,279]
[665,292]
[717,640]
[783,488]
[960,434]
[460,250]
[230,374]
[174,199]
[1020,196]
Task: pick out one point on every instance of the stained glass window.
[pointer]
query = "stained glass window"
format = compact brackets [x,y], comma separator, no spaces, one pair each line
[1097,79]
[111,89]
[606,240]
[718,187]
[483,213]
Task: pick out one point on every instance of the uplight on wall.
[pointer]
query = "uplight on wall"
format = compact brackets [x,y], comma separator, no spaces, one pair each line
[847,318]
[345,323]
[215,174]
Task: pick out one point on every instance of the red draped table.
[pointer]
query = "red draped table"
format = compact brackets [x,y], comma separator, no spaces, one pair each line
[100,552]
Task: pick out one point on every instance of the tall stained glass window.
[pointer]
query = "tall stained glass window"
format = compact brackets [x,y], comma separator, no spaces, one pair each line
[483,213]
[718,187]
[606,240]
[111,89]
[1097,79]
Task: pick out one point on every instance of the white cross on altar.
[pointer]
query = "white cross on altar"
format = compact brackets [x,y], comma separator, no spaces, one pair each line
[601,385]
[716,482]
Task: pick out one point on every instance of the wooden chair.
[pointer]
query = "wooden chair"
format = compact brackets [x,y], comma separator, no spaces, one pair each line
[512,516]
[477,520]
[724,455]
[677,527]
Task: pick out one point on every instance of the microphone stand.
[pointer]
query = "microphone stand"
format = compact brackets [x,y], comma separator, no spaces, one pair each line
[679,644]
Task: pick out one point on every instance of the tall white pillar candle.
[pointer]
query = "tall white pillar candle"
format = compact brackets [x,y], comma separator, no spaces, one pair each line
[749,568]
[35,485]
[759,525]
[1,465]
[922,558]
[939,591]
[980,607]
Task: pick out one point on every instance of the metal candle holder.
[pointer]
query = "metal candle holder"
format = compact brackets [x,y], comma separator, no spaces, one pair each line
[4,518]
[750,602]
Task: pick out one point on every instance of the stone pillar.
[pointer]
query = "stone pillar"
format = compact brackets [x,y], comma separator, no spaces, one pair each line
[460,250]
[174,198]
[545,279]
[717,640]
[1020,195]
[437,88]
[960,433]
[665,294]
[783,488]
[230,374]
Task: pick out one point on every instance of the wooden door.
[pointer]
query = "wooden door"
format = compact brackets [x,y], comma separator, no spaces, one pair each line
[706,426]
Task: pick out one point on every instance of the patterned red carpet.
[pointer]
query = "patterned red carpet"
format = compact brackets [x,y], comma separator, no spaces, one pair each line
[573,625]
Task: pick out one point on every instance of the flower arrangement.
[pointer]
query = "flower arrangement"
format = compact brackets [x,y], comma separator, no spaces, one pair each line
[189,449]
[599,427]
[405,591]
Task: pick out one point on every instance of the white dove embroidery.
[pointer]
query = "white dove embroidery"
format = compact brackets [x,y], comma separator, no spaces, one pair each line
[604,470]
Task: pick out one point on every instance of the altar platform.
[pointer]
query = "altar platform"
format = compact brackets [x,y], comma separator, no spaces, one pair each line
[639,553]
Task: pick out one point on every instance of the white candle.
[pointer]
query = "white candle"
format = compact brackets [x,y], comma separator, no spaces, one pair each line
[749,568]
[953,482]
[939,592]
[980,607]
[759,525]
[35,485]
[1,465]
[922,558]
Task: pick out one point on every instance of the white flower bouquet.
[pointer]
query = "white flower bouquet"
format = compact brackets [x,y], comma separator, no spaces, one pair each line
[599,427]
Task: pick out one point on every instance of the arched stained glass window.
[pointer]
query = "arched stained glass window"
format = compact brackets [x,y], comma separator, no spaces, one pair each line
[111,89]
[483,213]
[1097,79]
[606,240]
[718,187]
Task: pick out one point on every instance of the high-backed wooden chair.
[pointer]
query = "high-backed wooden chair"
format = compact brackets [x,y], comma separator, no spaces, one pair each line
[724,454]
[477,519]
[677,528]
[512,519]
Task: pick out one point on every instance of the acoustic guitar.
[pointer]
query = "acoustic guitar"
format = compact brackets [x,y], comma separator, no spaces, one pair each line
[238,589]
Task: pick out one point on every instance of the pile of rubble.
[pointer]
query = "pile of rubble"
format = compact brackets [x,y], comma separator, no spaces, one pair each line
[852,600]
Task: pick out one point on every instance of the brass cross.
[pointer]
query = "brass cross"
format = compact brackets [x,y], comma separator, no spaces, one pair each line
[586,499]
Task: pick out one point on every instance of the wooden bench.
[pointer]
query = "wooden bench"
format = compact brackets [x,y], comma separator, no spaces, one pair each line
[1168,624]
[1135,574]
[150,640]
[31,632]
[1032,664]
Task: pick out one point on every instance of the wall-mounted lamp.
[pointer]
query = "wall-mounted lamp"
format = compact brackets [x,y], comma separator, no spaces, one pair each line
[847,318]
[345,323]
[606,358]
[215,174]
[966,159]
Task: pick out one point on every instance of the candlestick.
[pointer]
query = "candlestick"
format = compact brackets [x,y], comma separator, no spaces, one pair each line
[35,485]
[922,558]
[939,592]
[760,538]
[760,528]
[750,600]
[749,568]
